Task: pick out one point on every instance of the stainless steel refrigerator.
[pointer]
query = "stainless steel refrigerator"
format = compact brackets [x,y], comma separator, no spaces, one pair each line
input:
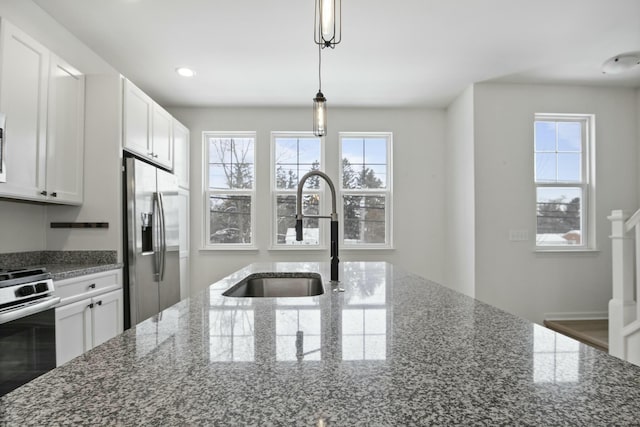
[152,235]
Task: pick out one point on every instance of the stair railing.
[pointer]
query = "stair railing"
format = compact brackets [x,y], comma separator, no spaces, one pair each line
[624,307]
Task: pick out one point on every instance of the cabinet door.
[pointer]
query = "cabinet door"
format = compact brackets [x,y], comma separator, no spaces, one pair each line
[183,218]
[183,221]
[181,153]
[162,137]
[24,75]
[73,330]
[136,124]
[65,133]
[107,316]
[184,277]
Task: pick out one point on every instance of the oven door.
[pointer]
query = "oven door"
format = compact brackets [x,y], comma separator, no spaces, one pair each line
[28,346]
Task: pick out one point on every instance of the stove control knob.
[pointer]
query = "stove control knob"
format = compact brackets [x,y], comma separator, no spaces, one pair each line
[25,291]
[42,287]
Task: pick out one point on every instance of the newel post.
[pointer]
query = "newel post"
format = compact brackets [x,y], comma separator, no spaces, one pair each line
[621,306]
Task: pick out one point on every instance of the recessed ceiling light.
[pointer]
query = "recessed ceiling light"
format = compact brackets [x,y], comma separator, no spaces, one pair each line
[185,72]
[620,63]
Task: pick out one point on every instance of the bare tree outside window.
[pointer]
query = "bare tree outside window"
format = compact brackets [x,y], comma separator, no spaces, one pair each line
[231,189]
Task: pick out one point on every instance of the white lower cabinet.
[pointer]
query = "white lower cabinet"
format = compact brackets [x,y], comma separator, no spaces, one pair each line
[73,331]
[89,317]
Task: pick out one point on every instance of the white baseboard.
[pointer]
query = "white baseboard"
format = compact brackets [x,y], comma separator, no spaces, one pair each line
[584,315]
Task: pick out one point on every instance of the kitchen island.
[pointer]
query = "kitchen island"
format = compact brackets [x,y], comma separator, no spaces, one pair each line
[392,349]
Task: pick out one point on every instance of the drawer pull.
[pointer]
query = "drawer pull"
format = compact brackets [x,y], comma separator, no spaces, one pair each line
[92,286]
[99,302]
[90,305]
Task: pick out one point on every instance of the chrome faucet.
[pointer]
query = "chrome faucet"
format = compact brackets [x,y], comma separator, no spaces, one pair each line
[333,217]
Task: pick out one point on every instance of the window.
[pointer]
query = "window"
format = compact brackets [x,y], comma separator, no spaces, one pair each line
[366,189]
[229,189]
[293,156]
[563,181]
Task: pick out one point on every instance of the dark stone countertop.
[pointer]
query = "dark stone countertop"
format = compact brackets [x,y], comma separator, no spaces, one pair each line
[393,349]
[68,271]
[63,264]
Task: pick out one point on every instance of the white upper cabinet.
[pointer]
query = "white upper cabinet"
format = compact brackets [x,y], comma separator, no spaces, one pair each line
[24,78]
[43,100]
[137,120]
[65,133]
[181,150]
[147,127]
[162,137]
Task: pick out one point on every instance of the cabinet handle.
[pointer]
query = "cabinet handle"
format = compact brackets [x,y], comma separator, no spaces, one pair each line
[92,286]
[54,194]
[99,302]
[155,155]
[44,193]
[90,305]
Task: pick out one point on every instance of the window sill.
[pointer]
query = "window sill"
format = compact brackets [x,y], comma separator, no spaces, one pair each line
[297,248]
[566,250]
[367,248]
[230,248]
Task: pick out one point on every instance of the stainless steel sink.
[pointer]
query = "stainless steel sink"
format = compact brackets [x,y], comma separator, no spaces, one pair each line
[277,285]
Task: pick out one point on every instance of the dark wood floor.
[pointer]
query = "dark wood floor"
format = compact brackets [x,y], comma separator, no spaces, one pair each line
[591,332]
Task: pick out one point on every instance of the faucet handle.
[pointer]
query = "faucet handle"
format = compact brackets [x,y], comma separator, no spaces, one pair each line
[299,230]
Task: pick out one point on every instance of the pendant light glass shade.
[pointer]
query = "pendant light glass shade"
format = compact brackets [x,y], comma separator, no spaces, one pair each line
[319,115]
[328,23]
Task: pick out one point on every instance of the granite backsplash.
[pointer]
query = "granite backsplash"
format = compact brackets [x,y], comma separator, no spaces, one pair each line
[25,259]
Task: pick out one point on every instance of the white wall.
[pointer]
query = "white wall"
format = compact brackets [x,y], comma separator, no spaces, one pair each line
[21,227]
[638,133]
[509,274]
[102,175]
[31,19]
[418,138]
[30,221]
[460,195]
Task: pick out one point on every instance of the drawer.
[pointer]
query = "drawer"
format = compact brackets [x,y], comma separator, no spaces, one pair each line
[85,286]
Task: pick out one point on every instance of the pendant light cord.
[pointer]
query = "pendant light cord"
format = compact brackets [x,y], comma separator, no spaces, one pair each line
[319,68]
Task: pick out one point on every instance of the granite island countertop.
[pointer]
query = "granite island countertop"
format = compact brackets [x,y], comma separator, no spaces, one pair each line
[393,349]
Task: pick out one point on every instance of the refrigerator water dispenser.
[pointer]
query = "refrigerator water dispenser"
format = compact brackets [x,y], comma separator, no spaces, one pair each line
[147,232]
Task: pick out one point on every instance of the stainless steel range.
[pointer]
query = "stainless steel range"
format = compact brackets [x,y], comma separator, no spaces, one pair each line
[27,326]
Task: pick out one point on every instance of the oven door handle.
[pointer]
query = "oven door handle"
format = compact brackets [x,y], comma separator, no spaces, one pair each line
[28,310]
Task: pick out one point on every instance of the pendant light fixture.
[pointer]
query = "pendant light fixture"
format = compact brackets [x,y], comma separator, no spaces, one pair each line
[621,63]
[328,23]
[319,103]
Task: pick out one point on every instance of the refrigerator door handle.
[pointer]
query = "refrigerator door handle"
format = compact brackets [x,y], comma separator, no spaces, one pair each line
[157,225]
[163,241]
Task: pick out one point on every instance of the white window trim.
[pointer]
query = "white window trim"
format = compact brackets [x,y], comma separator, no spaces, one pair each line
[587,184]
[206,243]
[273,245]
[387,193]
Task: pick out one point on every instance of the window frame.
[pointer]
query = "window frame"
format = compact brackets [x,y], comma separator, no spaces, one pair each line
[275,192]
[207,192]
[386,192]
[586,184]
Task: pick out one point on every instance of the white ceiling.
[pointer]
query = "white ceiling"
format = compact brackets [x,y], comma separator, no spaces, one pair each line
[393,53]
